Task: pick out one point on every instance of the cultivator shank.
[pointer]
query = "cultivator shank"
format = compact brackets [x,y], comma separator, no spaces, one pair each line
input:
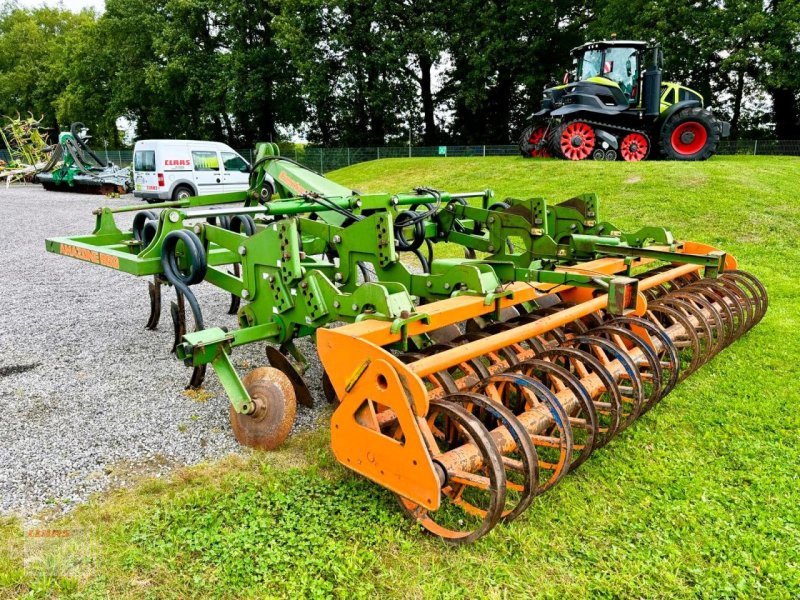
[467,386]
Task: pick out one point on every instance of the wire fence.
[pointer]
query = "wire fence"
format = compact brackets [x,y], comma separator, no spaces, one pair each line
[324,160]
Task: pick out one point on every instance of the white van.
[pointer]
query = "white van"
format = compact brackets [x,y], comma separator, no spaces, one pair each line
[177,169]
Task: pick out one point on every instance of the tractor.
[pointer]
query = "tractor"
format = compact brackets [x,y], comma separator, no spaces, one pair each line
[616,106]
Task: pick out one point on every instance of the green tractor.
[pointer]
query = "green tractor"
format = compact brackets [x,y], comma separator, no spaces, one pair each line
[617,106]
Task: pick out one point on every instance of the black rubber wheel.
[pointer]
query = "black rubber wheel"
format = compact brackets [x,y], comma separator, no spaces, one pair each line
[182,192]
[690,134]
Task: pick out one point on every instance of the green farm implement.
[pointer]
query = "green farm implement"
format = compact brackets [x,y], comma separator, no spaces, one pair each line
[466,385]
[75,167]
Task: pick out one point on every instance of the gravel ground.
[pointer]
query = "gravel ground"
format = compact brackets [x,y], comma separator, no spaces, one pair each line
[90,399]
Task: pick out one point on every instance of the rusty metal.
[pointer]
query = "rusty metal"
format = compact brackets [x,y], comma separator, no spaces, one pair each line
[572,375]
[281,362]
[269,423]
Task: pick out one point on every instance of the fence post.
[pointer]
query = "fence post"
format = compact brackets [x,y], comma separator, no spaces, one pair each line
[348,156]
[755,148]
[321,168]
[484,151]
[379,152]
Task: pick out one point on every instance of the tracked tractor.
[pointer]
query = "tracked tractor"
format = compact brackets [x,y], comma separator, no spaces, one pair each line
[616,106]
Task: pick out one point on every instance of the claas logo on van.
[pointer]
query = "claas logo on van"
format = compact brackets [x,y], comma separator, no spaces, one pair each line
[177,162]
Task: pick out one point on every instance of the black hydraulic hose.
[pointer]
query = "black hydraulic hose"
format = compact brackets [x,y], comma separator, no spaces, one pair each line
[149,231]
[139,221]
[323,201]
[74,128]
[416,220]
[426,267]
[196,272]
[223,221]
[406,219]
[429,244]
[243,224]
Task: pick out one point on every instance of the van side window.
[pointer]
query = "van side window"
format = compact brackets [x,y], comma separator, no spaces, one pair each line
[234,162]
[205,161]
[144,160]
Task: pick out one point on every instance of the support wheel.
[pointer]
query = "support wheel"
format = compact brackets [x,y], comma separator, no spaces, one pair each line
[634,147]
[576,140]
[269,423]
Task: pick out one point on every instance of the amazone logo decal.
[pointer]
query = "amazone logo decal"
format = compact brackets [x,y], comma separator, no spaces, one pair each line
[91,256]
[291,183]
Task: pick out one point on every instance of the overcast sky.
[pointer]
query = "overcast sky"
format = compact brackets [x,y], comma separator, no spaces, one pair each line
[75,5]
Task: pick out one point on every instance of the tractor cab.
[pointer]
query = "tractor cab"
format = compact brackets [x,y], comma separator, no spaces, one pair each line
[616,64]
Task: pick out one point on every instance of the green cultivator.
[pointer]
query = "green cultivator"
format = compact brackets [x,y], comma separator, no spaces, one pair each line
[75,167]
[466,384]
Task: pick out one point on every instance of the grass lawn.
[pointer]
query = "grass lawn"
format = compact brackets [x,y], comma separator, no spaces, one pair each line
[700,497]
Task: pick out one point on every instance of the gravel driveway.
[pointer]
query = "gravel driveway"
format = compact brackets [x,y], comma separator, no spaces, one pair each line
[90,399]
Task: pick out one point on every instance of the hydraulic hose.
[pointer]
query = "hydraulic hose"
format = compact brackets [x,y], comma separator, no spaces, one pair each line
[196,272]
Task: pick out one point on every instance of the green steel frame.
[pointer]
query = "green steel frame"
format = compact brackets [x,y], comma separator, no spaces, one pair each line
[299,270]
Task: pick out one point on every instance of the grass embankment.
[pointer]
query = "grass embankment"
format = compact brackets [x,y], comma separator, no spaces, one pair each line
[701,497]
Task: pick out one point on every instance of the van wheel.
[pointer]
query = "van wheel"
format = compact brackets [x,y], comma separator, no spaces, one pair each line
[182,192]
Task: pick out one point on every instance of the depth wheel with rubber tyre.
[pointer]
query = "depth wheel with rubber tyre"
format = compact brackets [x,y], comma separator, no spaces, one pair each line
[690,134]
[576,140]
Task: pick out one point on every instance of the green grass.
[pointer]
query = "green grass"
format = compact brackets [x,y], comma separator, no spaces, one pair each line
[700,498]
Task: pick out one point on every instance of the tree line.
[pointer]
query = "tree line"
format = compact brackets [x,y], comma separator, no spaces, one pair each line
[371,73]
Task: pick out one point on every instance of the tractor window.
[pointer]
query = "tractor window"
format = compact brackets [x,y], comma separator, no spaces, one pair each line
[622,65]
[591,64]
[687,94]
[144,160]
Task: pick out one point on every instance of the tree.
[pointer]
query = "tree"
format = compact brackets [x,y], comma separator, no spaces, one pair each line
[33,72]
[355,78]
[503,53]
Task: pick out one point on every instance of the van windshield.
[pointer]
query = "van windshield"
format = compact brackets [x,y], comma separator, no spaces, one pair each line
[144,160]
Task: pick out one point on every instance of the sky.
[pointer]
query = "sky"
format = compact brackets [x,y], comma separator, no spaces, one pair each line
[75,5]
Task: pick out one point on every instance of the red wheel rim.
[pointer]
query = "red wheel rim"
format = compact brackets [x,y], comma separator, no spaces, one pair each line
[577,141]
[689,138]
[634,147]
[534,139]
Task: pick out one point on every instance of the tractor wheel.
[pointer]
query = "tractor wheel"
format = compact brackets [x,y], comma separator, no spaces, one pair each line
[634,147]
[531,142]
[690,134]
[576,140]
